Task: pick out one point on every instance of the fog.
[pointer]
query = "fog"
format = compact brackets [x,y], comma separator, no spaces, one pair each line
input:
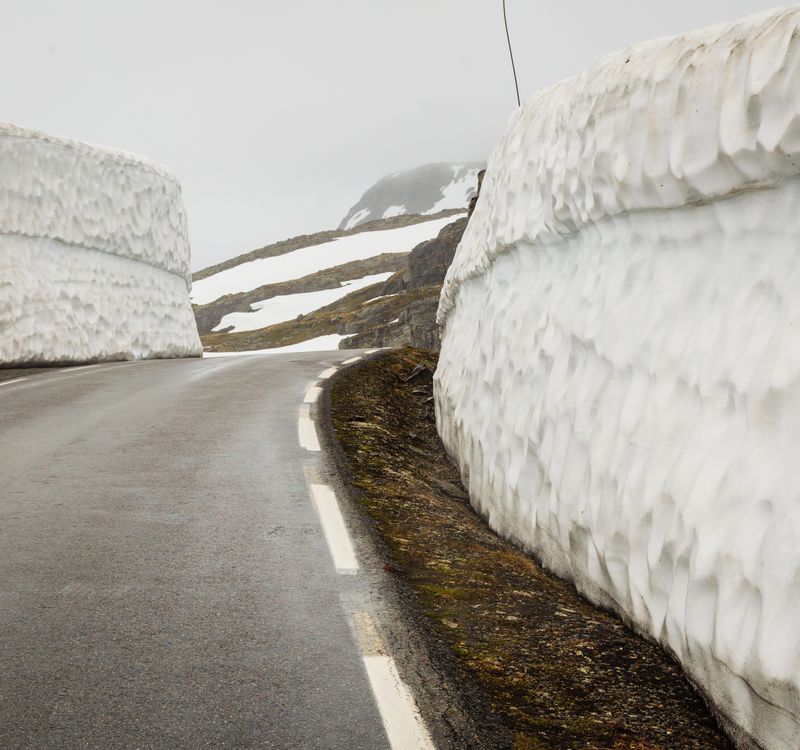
[277,116]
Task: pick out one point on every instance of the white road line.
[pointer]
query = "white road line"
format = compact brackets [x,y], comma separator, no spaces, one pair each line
[306,431]
[325,374]
[404,726]
[372,351]
[15,380]
[351,360]
[97,368]
[312,394]
[401,720]
[75,369]
[339,544]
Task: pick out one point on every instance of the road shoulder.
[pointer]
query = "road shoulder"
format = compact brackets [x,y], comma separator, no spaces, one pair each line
[519,658]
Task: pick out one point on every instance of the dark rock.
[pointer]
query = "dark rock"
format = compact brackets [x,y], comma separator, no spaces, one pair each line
[429,261]
[421,374]
[474,199]
[450,489]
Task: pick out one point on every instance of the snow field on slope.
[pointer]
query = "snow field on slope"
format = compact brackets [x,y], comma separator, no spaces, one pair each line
[356,218]
[286,307]
[457,193]
[390,212]
[294,265]
[326,343]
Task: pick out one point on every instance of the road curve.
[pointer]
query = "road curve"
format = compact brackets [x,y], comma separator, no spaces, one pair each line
[164,582]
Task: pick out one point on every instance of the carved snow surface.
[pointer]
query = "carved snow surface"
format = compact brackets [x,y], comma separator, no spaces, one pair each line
[619,378]
[94,254]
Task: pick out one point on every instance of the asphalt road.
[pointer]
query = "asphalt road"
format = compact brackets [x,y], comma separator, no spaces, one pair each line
[163,579]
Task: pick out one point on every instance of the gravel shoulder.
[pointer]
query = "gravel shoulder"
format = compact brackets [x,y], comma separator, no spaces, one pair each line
[535,665]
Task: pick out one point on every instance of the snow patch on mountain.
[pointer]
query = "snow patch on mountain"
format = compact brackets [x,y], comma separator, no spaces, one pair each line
[288,306]
[424,190]
[307,260]
[393,211]
[356,218]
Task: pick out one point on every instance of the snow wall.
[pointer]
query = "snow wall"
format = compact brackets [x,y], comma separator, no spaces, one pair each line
[619,378]
[94,254]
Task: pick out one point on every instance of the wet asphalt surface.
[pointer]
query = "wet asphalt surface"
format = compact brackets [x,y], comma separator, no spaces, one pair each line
[164,582]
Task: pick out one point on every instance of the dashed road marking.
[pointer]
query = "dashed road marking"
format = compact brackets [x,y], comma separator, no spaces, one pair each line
[404,726]
[306,430]
[312,394]
[339,544]
[402,722]
[15,380]
[352,360]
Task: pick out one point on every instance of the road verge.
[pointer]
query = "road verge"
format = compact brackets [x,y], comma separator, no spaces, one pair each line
[536,665]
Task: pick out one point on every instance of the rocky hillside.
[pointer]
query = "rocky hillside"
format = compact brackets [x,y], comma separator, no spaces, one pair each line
[425,190]
[375,285]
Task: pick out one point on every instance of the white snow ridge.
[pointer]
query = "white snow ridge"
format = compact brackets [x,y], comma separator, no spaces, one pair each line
[619,378]
[94,255]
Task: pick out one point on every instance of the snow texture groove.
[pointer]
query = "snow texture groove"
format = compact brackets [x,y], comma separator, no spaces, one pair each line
[94,254]
[619,378]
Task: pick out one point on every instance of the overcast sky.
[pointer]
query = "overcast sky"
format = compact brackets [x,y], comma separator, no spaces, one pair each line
[276,116]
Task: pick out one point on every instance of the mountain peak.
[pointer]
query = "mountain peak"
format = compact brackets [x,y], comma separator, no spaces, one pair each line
[424,190]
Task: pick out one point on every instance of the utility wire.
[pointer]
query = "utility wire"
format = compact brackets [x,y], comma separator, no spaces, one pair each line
[511,53]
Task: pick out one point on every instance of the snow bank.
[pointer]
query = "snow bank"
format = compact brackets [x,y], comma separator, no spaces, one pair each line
[619,378]
[308,260]
[94,255]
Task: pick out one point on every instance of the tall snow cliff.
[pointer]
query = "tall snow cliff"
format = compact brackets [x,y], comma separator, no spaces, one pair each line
[619,378]
[94,254]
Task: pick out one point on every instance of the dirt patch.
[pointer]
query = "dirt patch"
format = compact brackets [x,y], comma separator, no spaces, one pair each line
[557,672]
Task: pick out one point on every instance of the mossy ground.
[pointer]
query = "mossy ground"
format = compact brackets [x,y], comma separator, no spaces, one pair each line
[558,672]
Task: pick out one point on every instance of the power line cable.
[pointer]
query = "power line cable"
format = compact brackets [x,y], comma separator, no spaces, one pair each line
[511,53]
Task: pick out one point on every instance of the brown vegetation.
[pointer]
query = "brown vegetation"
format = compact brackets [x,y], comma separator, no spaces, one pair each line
[557,671]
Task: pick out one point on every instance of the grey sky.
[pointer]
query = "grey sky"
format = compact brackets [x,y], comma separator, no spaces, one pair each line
[276,116]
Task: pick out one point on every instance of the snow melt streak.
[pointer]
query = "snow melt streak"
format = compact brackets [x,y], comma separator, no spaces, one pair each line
[622,389]
[94,255]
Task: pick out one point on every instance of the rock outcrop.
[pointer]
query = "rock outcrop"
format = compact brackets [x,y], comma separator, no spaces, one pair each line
[420,282]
